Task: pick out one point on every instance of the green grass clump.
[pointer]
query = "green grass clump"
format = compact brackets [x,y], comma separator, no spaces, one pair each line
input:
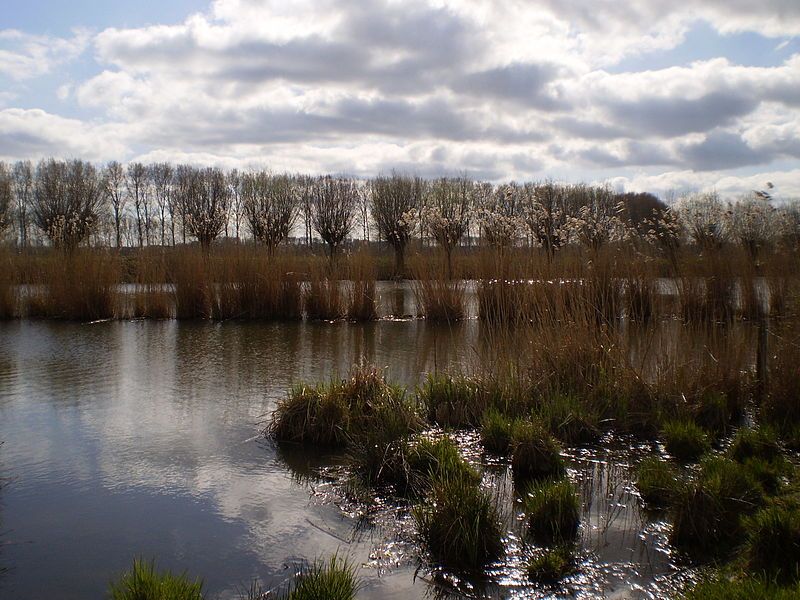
[553,511]
[657,481]
[569,419]
[772,546]
[534,453]
[411,466]
[720,587]
[143,582]
[551,565]
[334,579]
[452,401]
[429,461]
[707,514]
[459,524]
[758,450]
[496,429]
[685,440]
[356,411]
[714,411]
[754,443]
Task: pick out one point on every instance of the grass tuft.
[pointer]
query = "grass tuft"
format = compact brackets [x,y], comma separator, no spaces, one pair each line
[496,429]
[459,524]
[707,514]
[334,579]
[658,482]
[143,582]
[551,565]
[772,545]
[553,511]
[685,440]
[534,453]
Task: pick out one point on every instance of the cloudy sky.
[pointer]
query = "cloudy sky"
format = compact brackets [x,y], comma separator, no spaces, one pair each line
[641,93]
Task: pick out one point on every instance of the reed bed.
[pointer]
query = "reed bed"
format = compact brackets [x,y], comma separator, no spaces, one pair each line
[151,298]
[361,295]
[77,286]
[8,287]
[512,287]
[439,297]
[189,273]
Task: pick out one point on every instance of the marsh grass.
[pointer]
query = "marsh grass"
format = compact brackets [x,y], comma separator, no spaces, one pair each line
[551,565]
[361,295]
[150,299]
[657,481]
[8,289]
[189,273]
[707,513]
[553,511]
[535,454]
[685,440]
[439,297]
[725,587]
[334,579]
[143,582]
[772,546]
[570,419]
[459,523]
[252,284]
[76,286]
[496,430]
[452,401]
[322,296]
[343,412]
[780,407]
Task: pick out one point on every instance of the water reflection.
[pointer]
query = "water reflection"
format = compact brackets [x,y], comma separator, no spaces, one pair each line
[141,438]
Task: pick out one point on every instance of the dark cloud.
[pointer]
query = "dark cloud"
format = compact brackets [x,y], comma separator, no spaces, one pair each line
[674,116]
[524,84]
[722,150]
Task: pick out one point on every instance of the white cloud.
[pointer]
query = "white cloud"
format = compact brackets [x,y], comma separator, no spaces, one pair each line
[503,88]
[25,56]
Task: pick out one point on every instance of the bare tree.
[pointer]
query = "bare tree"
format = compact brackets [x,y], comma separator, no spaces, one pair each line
[363,211]
[23,191]
[305,186]
[270,206]
[136,185]
[66,201]
[333,204]
[234,179]
[447,213]
[161,175]
[6,197]
[394,199]
[205,203]
[114,188]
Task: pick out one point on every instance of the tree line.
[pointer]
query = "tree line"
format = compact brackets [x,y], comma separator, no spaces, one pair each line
[70,203]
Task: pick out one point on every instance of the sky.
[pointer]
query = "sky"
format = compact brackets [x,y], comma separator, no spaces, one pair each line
[645,95]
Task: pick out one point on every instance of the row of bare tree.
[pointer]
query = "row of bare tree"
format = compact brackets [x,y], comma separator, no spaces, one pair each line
[69,201]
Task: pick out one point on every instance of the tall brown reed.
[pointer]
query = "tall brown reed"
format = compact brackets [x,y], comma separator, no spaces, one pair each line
[8,288]
[361,295]
[322,297]
[439,298]
[150,298]
[191,285]
[78,286]
[253,284]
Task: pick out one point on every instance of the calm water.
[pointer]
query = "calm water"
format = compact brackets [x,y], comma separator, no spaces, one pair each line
[128,439]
